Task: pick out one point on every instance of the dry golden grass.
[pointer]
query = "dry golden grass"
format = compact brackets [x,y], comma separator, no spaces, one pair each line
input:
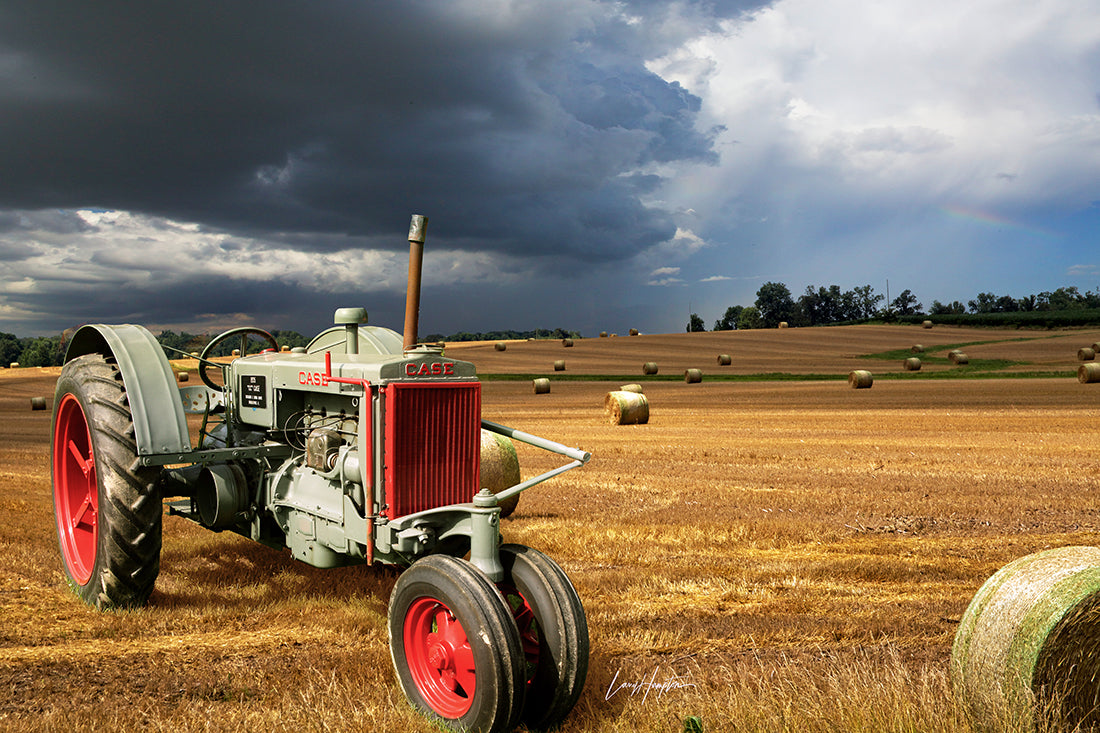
[766,556]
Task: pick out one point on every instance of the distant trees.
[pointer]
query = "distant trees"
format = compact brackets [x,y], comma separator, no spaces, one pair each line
[695,323]
[773,301]
[906,304]
[819,306]
[728,322]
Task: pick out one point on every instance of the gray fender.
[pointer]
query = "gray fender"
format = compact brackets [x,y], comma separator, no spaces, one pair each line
[159,423]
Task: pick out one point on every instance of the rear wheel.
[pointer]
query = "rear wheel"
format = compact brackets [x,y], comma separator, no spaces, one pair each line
[552,629]
[107,510]
[455,647]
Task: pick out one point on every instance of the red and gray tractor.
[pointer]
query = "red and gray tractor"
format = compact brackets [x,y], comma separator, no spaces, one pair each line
[362,447]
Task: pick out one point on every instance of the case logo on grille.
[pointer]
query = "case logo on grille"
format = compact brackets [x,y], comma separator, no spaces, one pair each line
[446,368]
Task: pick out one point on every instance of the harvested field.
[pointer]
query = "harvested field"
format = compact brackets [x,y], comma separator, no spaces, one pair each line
[767,556]
[833,350]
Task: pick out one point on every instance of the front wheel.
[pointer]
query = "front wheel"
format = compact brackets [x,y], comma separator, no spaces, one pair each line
[554,632]
[107,509]
[455,647]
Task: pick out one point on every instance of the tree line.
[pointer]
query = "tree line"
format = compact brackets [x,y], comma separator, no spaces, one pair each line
[829,305]
[50,350]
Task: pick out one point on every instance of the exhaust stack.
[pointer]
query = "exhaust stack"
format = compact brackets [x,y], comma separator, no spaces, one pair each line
[417,228]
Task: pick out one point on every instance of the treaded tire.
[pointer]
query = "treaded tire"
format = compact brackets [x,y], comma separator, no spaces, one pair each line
[553,630]
[455,646]
[108,513]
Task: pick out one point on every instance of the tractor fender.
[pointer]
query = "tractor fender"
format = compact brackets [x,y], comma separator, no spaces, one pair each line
[159,423]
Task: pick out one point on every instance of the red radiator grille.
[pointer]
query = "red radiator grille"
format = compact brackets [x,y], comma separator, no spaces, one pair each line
[433,445]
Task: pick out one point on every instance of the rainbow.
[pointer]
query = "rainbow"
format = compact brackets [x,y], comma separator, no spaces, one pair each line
[985,218]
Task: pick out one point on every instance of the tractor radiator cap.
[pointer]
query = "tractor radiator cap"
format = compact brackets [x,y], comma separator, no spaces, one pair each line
[346,316]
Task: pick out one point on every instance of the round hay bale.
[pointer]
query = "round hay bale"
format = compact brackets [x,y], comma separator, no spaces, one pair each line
[724,360]
[559,365]
[603,334]
[542,385]
[1088,373]
[951,354]
[567,342]
[631,388]
[693,376]
[626,408]
[633,332]
[13,365]
[916,349]
[499,468]
[1086,354]
[1096,347]
[38,403]
[860,379]
[236,352]
[285,348]
[1027,651]
[926,324]
[500,346]
[960,358]
[182,377]
[650,367]
[912,364]
[782,324]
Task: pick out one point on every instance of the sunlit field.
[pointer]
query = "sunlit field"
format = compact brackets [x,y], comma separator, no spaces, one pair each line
[762,555]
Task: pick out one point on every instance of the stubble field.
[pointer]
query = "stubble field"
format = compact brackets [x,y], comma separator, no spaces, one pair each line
[765,555]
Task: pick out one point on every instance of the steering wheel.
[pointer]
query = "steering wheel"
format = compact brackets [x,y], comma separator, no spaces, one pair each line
[244,333]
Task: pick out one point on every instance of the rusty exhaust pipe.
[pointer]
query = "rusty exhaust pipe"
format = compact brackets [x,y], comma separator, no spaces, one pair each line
[417,228]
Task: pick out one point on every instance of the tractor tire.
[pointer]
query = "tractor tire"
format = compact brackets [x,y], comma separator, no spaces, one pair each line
[553,630]
[107,510]
[455,646]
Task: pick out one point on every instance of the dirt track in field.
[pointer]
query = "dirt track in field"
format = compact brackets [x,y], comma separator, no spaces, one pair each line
[745,524]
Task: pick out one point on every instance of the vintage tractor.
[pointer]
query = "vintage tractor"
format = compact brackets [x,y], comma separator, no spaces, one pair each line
[362,447]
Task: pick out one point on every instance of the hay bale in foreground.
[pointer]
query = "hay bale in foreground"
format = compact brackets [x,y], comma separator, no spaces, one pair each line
[567,342]
[1096,347]
[926,324]
[499,468]
[559,365]
[626,408]
[500,346]
[912,364]
[631,388]
[38,403]
[724,360]
[542,385]
[650,367]
[960,358]
[1027,651]
[1088,373]
[916,349]
[1086,354]
[860,379]
[693,376]
[182,377]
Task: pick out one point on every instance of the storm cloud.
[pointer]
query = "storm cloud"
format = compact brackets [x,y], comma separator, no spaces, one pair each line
[589,165]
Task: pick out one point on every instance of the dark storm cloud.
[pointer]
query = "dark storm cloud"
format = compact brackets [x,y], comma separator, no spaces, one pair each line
[342,117]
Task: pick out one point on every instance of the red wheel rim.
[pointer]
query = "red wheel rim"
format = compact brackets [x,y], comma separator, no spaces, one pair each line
[440,658]
[528,629]
[75,493]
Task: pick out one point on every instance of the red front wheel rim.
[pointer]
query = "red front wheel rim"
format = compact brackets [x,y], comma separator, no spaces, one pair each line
[440,658]
[528,626]
[76,496]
